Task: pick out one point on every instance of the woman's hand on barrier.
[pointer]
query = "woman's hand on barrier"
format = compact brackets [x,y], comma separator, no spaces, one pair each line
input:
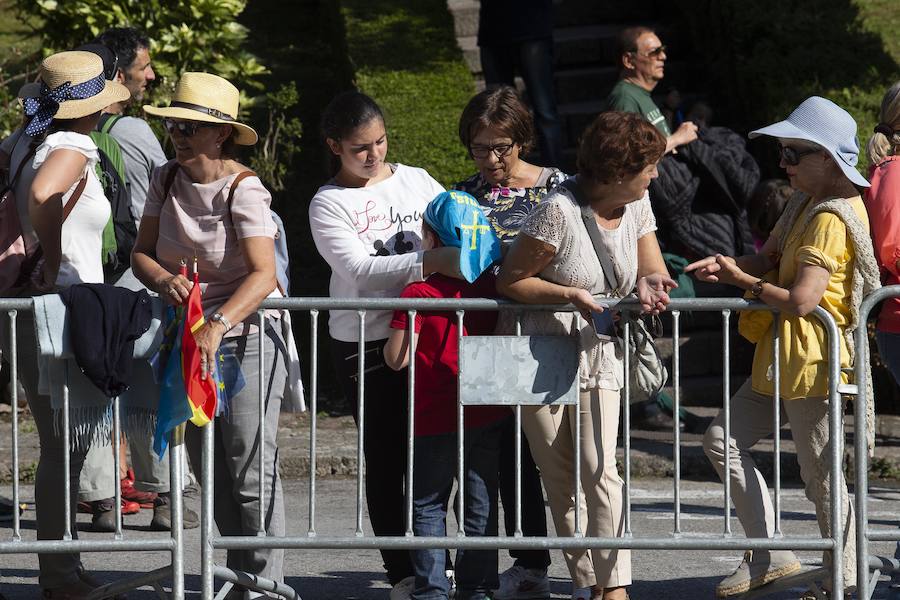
[653,292]
[208,338]
[175,289]
[715,269]
[584,302]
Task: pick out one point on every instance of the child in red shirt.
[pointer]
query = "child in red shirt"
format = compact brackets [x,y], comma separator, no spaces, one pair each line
[453,219]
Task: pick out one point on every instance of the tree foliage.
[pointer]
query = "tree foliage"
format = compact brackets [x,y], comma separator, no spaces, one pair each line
[200,35]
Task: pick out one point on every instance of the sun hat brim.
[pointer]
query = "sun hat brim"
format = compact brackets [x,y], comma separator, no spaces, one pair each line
[73,109]
[787,130]
[246,135]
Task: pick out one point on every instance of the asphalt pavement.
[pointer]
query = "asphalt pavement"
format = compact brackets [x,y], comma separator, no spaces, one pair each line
[357,574]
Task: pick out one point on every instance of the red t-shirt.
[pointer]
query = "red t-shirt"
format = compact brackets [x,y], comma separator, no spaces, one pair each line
[437,353]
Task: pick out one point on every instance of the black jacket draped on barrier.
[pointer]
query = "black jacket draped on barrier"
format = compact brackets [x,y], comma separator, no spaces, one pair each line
[700,197]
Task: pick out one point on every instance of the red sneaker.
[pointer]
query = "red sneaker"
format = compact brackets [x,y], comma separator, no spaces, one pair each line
[129,507]
[85,508]
[143,499]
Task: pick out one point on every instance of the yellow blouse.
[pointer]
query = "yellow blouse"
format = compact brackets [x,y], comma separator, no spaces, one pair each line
[803,359]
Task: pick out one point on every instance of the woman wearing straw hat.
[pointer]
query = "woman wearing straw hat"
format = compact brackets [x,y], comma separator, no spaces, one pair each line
[207,206]
[62,211]
[819,254]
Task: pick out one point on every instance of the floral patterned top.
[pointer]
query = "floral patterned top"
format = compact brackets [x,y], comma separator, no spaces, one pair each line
[506,208]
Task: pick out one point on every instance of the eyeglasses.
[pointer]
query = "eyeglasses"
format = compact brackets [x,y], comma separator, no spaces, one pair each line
[655,53]
[185,128]
[499,150]
[792,156]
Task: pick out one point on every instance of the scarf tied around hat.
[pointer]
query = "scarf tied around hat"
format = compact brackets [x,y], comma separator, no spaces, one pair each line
[43,108]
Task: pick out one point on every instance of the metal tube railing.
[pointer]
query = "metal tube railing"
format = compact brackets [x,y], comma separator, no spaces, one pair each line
[172,544]
[211,542]
[864,534]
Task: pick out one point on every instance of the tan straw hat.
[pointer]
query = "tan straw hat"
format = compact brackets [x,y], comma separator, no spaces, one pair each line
[71,85]
[208,98]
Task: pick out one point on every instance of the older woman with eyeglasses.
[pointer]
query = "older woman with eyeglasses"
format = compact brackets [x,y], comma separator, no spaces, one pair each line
[819,254]
[497,130]
[208,207]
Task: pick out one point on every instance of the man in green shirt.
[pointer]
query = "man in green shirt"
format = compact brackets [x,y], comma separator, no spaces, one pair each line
[643,60]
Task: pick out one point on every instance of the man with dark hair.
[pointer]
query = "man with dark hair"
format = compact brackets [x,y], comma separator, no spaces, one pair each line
[642,59]
[141,150]
[126,59]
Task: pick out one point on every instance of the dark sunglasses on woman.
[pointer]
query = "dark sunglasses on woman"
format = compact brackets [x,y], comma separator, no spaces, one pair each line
[185,128]
[792,156]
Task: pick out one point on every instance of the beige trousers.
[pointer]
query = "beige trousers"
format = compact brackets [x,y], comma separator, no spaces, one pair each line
[551,435]
[751,421]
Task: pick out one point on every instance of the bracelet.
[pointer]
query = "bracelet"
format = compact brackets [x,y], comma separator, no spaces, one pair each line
[220,318]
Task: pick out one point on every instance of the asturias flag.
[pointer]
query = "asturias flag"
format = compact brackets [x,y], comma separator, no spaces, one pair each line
[183,394]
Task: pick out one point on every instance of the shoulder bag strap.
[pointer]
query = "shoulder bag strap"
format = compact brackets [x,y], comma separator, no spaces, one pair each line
[73,199]
[590,223]
[170,179]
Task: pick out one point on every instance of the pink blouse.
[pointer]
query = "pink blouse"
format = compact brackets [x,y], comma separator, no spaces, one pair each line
[883,204]
[194,221]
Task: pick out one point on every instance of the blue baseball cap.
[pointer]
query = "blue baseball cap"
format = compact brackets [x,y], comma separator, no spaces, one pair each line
[457,219]
[822,122]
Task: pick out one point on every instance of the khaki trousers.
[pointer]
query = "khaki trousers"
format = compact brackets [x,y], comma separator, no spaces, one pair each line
[751,421]
[551,434]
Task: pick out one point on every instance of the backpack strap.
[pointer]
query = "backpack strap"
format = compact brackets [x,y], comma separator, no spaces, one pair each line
[240,177]
[107,122]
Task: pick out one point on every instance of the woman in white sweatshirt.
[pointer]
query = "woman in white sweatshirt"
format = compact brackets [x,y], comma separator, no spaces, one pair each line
[366,223]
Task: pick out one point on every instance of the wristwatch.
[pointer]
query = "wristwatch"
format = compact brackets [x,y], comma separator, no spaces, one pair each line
[757,288]
[220,318]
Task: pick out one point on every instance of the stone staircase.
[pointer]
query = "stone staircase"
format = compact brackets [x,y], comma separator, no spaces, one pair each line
[585,33]
[585,53]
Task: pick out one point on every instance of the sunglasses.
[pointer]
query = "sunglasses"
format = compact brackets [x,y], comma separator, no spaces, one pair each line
[792,156]
[499,150]
[655,53]
[185,128]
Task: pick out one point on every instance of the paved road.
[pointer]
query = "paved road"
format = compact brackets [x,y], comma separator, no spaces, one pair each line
[357,574]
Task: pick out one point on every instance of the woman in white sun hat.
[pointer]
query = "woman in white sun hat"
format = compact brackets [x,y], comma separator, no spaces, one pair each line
[205,204]
[62,210]
[819,254]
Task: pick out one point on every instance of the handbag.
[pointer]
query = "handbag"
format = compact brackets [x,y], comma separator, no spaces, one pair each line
[647,373]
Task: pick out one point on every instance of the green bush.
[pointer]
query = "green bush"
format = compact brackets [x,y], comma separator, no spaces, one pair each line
[765,57]
[405,56]
[200,35]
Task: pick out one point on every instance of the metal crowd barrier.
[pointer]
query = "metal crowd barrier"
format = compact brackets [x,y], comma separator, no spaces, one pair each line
[210,542]
[866,581]
[674,541]
[118,541]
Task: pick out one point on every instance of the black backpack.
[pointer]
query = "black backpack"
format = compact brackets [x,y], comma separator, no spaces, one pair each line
[111,173]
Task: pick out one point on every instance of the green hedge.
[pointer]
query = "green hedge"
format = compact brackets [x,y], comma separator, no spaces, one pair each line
[405,56]
[764,57]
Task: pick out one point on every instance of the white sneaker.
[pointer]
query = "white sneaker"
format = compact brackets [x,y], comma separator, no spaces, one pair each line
[451,577]
[404,589]
[519,583]
[581,594]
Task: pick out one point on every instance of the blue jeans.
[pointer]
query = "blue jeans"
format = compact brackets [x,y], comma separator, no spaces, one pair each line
[435,467]
[889,349]
[534,61]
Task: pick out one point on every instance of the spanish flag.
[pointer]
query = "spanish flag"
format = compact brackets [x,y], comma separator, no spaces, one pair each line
[201,391]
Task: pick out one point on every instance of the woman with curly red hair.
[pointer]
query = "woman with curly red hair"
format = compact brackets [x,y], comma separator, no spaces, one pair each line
[554,260]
